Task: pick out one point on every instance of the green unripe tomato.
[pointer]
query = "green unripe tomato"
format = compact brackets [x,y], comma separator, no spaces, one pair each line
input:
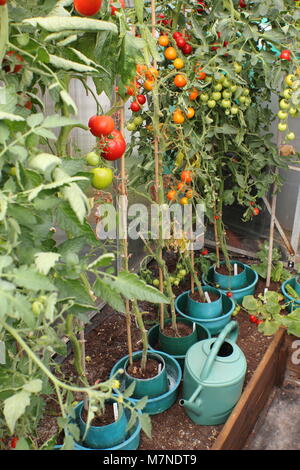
[182,272]
[234,110]
[226,94]
[13,171]
[23,39]
[226,103]
[155,282]
[171,279]
[221,78]
[216,95]
[138,120]
[211,103]
[226,83]
[282,115]
[293,111]
[282,126]
[237,67]
[204,97]
[131,126]
[284,104]
[290,136]
[71,259]
[92,159]
[287,93]
[102,177]
[289,79]
[246,91]
[208,79]
[242,99]
[233,88]
[37,307]
[295,85]
[218,87]
[176,282]
[227,112]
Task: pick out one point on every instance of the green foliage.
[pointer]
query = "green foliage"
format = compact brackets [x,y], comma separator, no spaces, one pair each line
[278,272]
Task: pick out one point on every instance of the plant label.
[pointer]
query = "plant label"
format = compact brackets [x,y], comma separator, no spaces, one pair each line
[194,326]
[2,352]
[207,297]
[116,411]
[235,269]
[159,368]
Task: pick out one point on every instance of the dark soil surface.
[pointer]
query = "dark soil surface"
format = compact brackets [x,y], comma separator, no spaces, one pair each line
[107,343]
[223,270]
[107,417]
[182,330]
[195,296]
[152,369]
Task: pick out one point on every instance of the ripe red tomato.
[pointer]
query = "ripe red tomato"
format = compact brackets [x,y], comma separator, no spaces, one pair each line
[13,442]
[3,2]
[256,211]
[135,107]
[204,252]
[285,54]
[187,49]
[17,67]
[242,4]
[253,318]
[87,7]
[101,125]
[229,294]
[141,99]
[114,9]
[177,35]
[114,147]
[181,42]
[163,19]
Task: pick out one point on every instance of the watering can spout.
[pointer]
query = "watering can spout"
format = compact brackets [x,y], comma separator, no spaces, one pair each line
[194,403]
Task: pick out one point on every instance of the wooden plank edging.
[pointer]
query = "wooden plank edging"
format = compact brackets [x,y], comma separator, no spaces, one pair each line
[244,416]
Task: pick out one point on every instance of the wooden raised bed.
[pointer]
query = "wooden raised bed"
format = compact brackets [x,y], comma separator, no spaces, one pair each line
[269,374]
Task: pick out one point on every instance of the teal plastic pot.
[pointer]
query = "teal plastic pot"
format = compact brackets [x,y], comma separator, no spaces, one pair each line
[132,437]
[181,345]
[163,402]
[213,325]
[292,303]
[297,285]
[103,437]
[213,379]
[153,387]
[205,310]
[230,282]
[237,294]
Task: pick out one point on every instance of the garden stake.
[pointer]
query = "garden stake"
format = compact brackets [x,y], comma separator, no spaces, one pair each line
[123,194]
[271,237]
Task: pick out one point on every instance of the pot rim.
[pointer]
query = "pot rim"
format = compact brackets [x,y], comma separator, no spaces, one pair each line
[105,426]
[217,291]
[178,320]
[150,378]
[236,291]
[286,294]
[206,320]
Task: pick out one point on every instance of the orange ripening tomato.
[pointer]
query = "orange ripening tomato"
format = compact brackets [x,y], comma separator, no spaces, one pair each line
[180,186]
[178,63]
[186,176]
[129,90]
[180,81]
[171,195]
[170,53]
[163,41]
[141,69]
[190,113]
[184,201]
[148,85]
[189,194]
[152,73]
[193,94]
[178,117]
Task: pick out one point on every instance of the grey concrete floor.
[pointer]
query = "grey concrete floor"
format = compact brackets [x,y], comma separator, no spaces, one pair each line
[278,428]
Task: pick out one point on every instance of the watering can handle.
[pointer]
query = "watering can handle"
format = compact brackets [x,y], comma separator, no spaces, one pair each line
[216,347]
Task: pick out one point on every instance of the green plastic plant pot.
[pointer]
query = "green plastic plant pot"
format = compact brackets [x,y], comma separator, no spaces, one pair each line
[163,402]
[213,325]
[152,387]
[154,336]
[297,285]
[237,294]
[172,345]
[230,282]
[293,304]
[102,437]
[132,437]
[205,310]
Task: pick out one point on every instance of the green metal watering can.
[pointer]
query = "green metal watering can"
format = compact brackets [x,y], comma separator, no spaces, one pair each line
[214,374]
